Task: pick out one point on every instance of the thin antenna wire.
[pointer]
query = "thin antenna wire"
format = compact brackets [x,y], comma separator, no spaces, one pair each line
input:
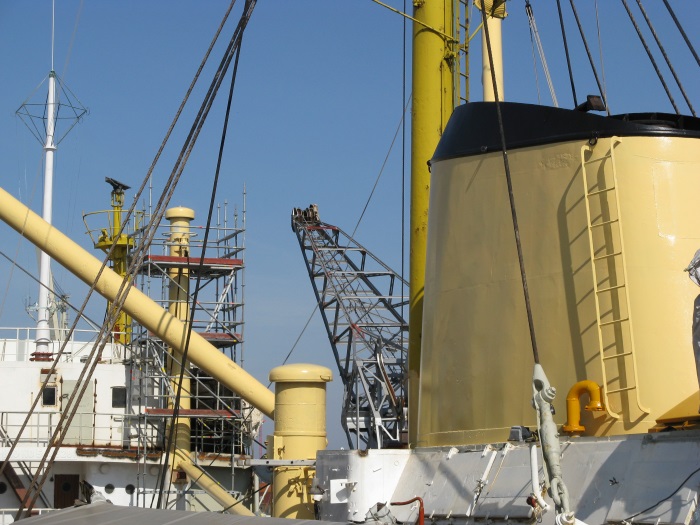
[590,57]
[600,51]
[680,28]
[64,71]
[53,28]
[535,34]
[651,57]
[668,61]
[566,51]
[534,64]
[381,170]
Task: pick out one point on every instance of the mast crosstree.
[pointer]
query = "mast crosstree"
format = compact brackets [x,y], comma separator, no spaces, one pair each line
[361,301]
[42,120]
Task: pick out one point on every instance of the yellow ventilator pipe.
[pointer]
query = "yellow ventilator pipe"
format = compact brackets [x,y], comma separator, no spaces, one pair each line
[179,307]
[300,432]
[172,331]
[216,491]
[573,405]
[432,105]
[495,11]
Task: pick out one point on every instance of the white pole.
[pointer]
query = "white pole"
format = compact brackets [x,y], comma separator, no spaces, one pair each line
[497,53]
[43,333]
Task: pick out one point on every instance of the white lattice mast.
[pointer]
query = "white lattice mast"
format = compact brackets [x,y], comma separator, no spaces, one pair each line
[43,125]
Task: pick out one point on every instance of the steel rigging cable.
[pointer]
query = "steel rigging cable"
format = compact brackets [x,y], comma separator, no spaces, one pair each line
[590,57]
[680,28]
[651,57]
[537,42]
[137,260]
[668,61]
[566,52]
[250,4]
[511,197]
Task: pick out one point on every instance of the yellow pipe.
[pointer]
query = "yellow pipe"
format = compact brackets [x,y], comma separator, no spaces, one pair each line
[172,331]
[497,53]
[433,91]
[495,12]
[216,491]
[300,432]
[179,307]
[573,405]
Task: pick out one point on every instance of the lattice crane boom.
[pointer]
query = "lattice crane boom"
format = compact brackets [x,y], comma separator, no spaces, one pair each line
[361,301]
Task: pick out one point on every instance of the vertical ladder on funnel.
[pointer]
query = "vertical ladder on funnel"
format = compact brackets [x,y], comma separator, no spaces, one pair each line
[608,265]
[360,299]
[460,69]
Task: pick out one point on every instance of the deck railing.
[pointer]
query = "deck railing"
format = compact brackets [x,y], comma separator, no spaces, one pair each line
[8,515]
[19,344]
[86,429]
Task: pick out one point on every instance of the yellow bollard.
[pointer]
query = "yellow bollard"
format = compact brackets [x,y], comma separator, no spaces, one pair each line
[300,431]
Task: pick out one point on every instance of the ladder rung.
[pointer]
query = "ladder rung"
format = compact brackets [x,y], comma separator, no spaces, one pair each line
[611,288]
[621,390]
[598,224]
[614,321]
[607,156]
[607,256]
[598,192]
[617,355]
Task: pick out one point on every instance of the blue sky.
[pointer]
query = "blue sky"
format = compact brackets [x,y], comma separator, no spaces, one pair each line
[317,102]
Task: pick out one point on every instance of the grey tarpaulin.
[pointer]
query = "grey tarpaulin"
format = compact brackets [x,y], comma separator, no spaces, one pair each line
[693,270]
[102,513]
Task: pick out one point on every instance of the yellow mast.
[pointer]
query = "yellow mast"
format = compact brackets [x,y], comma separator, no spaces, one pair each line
[121,330]
[433,102]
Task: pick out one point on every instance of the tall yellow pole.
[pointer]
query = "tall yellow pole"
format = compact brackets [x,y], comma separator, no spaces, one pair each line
[122,242]
[179,307]
[122,327]
[433,88]
[495,13]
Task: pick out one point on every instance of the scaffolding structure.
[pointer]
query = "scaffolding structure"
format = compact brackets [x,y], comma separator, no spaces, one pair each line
[361,301]
[223,426]
[221,422]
